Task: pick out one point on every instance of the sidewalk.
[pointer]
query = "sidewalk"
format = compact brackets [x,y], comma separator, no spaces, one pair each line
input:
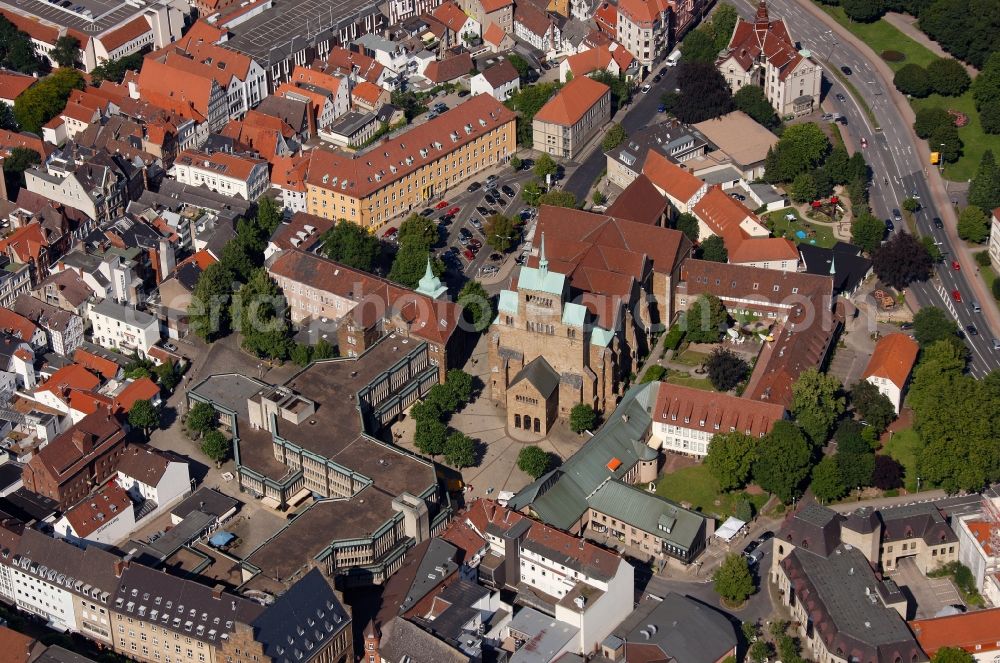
[934,180]
[882,502]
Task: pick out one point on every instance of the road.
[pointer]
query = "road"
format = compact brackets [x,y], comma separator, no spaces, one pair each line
[892,156]
[642,110]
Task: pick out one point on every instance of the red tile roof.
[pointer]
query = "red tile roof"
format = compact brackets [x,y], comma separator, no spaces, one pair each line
[490,6]
[47,34]
[118,37]
[17,647]
[13,84]
[10,139]
[68,452]
[142,389]
[642,12]
[893,358]
[762,36]
[450,15]
[494,34]
[307,228]
[106,368]
[976,632]
[501,74]
[16,325]
[671,178]
[450,68]
[763,249]
[339,59]
[573,101]
[89,402]
[329,81]
[73,376]
[711,412]
[175,89]
[222,163]
[201,258]
[367,92]
[606,17]
[290,172]
[982,531]
[94,512]
[640,202]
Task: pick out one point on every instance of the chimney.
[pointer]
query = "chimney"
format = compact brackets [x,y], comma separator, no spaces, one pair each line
[120,565]
[83,441]
[217,592]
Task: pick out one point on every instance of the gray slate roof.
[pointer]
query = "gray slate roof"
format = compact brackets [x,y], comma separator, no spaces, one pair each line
[684,629]
[647,511]
[540,374]
[401,638]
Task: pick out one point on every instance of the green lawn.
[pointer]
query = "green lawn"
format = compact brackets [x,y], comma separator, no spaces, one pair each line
[904,447]
[882,36]
[781,227]
[975,141]
[989,276]
[695,486]
[691,358]
[685,380]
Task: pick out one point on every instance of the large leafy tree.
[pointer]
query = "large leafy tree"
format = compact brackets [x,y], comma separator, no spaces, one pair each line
[801,149]
[945,139]
[533,461]
[208,312]
[964,28]
[17,51]
[115,70]
[817,402]
[973,225]
[751,100]
[731,456]
[527,101]
[948,77]
[7,119]
[352,245]
[952,655]
[621,92]
[929,119]
[867,232]
[46,98]
[932,324]
[430,437]
[699,46]
[687,224]
[545,165]
[902,260]
[259,312]
[704,93]
[888,473]
[732,580]
[416,236]
[615,136]
[477,305]
[713,249]
[201,418]
[786,465]
[856,469]
[19,160]
[706,320]
[873,406]
[65,51]
[501,232]
[911,79]
[726,369]
[582,417]
[863,11]
[984,190]
[216,446]
[460,450]
[144,415]
[558,198]
[827,483]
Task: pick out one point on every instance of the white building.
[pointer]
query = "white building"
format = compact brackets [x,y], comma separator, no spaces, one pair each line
[685,419]
[643,28]
[224,173]
[122,328]
[17,365]
[104,518]
[979,548]
[890,365]
[994,245]
[150,475]
[64,329]
[500,81]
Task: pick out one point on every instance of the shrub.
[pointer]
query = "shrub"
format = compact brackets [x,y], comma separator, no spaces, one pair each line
[674,337]
[982,258]
[893,56]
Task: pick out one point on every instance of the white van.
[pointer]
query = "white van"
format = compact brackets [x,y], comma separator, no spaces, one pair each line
[674,57]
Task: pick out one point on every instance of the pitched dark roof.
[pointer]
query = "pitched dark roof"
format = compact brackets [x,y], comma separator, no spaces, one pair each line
[640,202]
[304,618]
[684,630]
[540,374]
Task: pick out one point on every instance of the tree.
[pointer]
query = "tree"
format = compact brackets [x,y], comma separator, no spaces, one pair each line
[144,415]
[216,446]
[952,655]
[932,324]
[115,70]
[699,46]
[801,149]
[989,118]
[501,232]
[614,137]
[350,244]
[787,462]
[527,101]
[856,469]
[713,249]
[208,312]
[722,25]
[863,11]
[460,450]
[533,461]
[7,119]
[751,100]
[476,305]
[873,406]
[911,79]
[430,437]
[259,313]
[46,99]
[687,224]
[65,51]
[732,580]
[410,264]
[973,225]
[704,93]
[515,163]
[804,188]
[582,417]
[166,375]
[519,63]
[17,51]
[816,403]
[744,509]
[867,232]
[911,204]
[726,369]
[201,418]
[948,77]
[888,473]
[20,159]
[760,651]
[984,190]
[238,257]
[929,119]
[531,192]
[730,458]
[706,320]
[460,384]
[945,139]
[827,483]
[558,198]
[444,398]
[901,260]
[654,373]
[545,165]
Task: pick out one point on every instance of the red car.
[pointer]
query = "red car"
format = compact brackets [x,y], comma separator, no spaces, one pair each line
[454,210]
[391,233]
[441,205]
[469,255]
[956,295]
[955,265]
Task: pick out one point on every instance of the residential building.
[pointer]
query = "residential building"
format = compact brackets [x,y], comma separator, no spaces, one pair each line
[762,52]
[977,633]
[489,12]
[83,456]
[288,176]
[104,517]
[401,9]
[399,640]
[448,67]
[537,27]
[746,239]
[681,188]
[675,141]
[228,174]
[496,39]
[612,58]
[96,183]
[500,81]
[460,24]
[567,122]
[686,419]
[588,589]
[742,144]
[303,231]
[15,280]
[890,365]
[643,28]
[841,609]
[357,309]
[17,366]
[63,329]
[57,391]
[12,84]
[994,241]
[368,96]
[327,95]
[979,547]
[122,328]
[642,203]
[406,171]
[676,628]
[21,328]
[150,475]
[919,534]
[352,130]
[579,497]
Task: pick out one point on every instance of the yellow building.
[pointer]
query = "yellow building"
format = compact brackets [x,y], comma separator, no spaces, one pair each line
[400,175]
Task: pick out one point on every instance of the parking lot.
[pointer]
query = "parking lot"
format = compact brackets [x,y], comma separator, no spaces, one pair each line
[929,594]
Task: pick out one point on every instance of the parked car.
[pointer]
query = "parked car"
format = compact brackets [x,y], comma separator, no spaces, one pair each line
[841,98]
[427,211]
[463,93]
[475,244]
[496,257]
[390,234]
[657,78]
[826,117]
[490,199]
[465,232]
[454,210]
[476,223]
[507,191]
[489,270]
[441,205]
[738,196]
[766,535]
[469,255]
[996,344]
[750,547]
[483,211]
[889,225]
[897,215]
[847,70]
[864,143]
[938,223]
[475,186]
[492,179]
[645,89]
[661,109]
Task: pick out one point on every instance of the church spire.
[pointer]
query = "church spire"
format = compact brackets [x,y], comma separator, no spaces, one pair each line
[543,262]
[430,284]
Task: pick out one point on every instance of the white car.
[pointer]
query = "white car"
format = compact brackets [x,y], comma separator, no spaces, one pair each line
[645,89]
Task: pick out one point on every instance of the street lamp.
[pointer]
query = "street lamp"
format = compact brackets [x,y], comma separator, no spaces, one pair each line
[941,159]
[918,484]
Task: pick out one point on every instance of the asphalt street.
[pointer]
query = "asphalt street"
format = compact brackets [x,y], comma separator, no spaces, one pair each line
[893,157]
